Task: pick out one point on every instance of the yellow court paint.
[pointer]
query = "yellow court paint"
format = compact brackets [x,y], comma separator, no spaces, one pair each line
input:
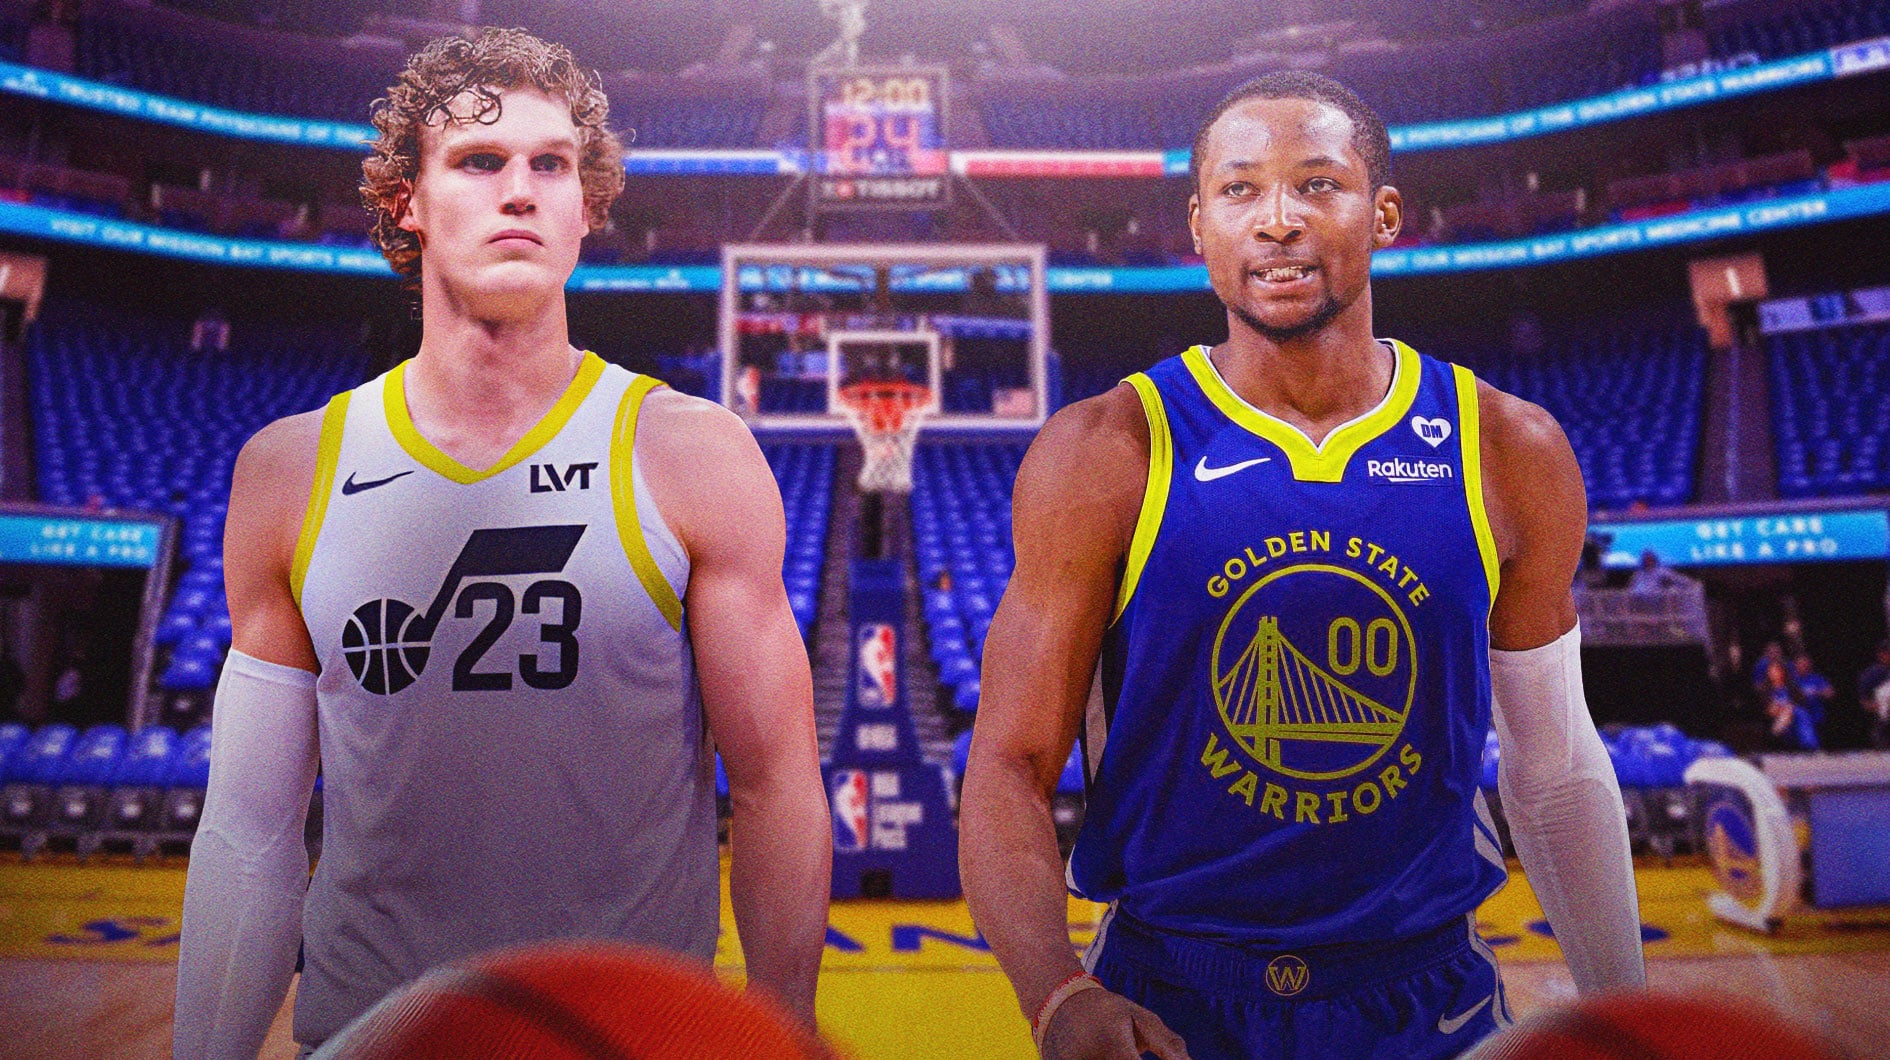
[898,977]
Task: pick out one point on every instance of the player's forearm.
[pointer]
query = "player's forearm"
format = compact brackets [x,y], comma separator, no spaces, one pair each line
[780,879]
[1574,848]
[248,865]
[1565,813]
[242,925]
[1013,876]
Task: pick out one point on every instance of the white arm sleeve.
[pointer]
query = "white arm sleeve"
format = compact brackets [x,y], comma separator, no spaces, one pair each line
[248,865]
[1565,814]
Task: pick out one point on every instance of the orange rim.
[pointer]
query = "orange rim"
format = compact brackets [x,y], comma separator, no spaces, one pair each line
[883,406]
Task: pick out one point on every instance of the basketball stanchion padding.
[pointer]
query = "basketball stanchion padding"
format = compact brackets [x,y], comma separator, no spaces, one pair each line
[588,1000]
[886,415]
[1654,1027]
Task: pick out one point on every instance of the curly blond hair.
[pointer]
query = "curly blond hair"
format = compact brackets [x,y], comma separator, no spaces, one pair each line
[492,62]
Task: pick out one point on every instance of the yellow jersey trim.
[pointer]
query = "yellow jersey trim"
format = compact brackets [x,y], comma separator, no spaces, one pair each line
[1470,437]
[623,500]
[1161,463]
[400,422]
[1326,461]
[327,460]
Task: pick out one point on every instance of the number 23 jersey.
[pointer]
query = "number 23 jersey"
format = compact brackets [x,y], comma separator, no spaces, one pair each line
[1296,688]
[512,745]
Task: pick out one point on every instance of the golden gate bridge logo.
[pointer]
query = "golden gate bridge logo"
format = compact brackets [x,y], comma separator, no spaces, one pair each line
[1316,718]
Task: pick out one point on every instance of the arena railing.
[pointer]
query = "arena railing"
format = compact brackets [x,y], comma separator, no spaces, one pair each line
[1861,57]
[1836,204]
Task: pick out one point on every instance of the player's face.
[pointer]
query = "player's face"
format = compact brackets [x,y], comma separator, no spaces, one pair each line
[1286,217]
[499,207]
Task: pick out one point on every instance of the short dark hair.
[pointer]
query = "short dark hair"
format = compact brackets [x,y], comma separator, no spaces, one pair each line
[1369,136]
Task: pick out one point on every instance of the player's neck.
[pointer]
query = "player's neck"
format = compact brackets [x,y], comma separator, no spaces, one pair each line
[1315,382]
[481,381]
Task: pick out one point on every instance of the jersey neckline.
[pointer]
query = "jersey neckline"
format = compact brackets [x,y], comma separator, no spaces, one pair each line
[430,456]
[1326,461]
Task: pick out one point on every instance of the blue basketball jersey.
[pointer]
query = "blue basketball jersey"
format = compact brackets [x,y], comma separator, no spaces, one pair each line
[1296,686]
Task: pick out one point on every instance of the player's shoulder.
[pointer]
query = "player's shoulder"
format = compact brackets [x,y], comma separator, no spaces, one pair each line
[706,473]
[1097,445]
[1533,483]
[271,484]
[1111,420]
[284,449]
[691,428]
[1517,430]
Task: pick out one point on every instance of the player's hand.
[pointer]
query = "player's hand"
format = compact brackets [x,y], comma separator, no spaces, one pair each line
[1103,1025]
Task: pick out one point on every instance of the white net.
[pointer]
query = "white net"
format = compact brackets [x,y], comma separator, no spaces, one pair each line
[886,418]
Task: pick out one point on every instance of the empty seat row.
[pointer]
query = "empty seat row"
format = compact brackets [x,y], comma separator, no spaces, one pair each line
[100,786]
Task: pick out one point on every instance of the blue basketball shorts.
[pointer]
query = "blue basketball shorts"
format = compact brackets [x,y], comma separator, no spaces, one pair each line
[1430,995]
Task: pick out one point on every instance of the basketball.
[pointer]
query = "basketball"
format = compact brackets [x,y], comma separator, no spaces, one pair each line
[571,1001]
[1650,1026]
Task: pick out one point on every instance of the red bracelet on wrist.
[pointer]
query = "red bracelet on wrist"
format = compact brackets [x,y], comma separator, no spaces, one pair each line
[1075,984]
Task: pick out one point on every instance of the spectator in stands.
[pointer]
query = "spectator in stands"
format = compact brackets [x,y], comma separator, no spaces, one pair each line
[1790,724]
[1873,692]
[1774,655]
[1653,577]
[1814,689]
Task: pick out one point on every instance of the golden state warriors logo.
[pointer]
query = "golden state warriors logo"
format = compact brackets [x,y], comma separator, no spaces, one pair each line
[1287,975]
[1734,849]
[1314,671]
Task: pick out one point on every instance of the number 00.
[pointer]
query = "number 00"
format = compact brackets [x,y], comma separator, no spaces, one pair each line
[1377,644]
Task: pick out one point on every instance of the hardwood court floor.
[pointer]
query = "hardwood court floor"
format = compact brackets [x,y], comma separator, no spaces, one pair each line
[87,967]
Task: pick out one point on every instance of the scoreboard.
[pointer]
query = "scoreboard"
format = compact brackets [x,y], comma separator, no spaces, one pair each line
[879,138]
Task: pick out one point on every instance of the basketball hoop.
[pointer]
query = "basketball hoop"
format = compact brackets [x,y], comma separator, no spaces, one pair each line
[886,416]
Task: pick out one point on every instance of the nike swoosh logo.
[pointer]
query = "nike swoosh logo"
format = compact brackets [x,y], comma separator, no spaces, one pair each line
[351,487]
[1204,473]
[1450,1025]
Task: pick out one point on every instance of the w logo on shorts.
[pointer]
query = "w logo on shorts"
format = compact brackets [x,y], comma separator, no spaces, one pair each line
[1287,975]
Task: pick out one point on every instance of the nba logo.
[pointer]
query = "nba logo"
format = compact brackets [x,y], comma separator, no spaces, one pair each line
[847,795]
[879,665]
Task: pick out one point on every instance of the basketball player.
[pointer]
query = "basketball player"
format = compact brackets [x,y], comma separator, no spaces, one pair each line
[483,592]
[1305,557]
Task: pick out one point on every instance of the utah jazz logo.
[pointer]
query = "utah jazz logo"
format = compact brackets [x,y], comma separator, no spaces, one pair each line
[1287,975]
[387,643]
[1314,671]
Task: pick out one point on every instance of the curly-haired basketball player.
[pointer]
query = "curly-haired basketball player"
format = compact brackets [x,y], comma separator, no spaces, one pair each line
[1314,564]
[505,596]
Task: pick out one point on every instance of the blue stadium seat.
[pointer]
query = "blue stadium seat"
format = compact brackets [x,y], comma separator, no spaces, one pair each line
[190,763]
[13,736]
[148,758]
[43,756]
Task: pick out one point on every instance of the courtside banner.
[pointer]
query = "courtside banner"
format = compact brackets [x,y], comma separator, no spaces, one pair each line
[1794,537]
[26,219]
[133,103]
[1630,102]
[1838,204]
[67,541]
[1693,226]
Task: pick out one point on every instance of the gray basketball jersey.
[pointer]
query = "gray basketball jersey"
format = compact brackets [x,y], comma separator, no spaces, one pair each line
[512,745]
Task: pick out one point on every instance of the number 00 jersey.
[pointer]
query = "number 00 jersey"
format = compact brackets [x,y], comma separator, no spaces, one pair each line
[512,746]
[1296,689]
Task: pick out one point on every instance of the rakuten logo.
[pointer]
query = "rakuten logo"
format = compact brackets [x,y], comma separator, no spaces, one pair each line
[1410,471]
